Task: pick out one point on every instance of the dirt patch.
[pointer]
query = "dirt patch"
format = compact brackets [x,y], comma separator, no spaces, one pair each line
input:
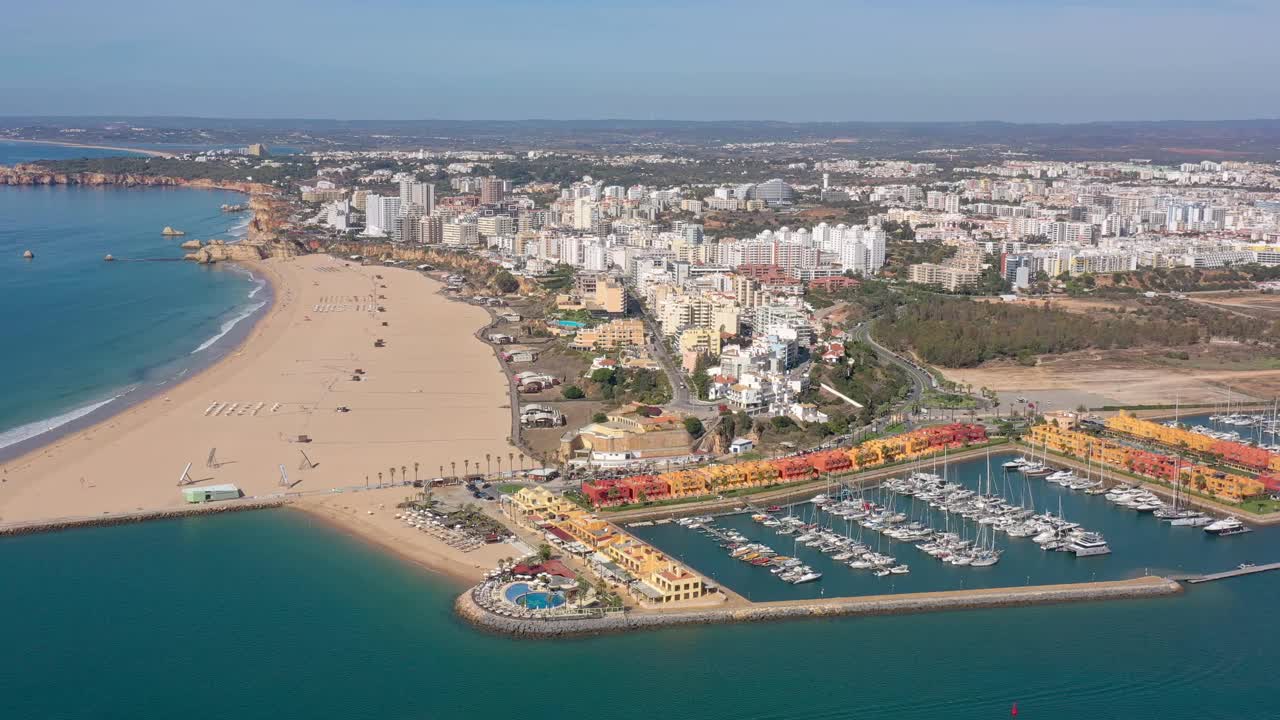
[1129,377]
[546,441]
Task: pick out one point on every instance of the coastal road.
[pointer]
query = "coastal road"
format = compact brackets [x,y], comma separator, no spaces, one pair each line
[920,380]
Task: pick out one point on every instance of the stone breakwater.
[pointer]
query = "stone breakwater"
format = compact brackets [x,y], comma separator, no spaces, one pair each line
[56,524]
[1141,588]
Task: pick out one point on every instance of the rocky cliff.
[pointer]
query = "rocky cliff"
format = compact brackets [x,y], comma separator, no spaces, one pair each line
[267,230]
[219,251]
[32,174]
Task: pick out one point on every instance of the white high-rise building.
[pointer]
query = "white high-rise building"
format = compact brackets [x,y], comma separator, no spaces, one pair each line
[418,193]
[380,215]
[461,233]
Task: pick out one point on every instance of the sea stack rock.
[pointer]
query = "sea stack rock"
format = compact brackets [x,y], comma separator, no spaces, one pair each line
[170,232]
[109,258]
[190,245]
[28,255]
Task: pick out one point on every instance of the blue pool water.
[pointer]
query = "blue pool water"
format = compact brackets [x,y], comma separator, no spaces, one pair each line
[570,323]
[521,594]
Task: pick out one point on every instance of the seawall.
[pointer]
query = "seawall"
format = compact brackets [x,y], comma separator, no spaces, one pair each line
[1139,588]
[55,524]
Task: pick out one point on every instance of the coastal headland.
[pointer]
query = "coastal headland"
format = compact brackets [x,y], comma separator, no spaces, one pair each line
[310,408]
[140,151]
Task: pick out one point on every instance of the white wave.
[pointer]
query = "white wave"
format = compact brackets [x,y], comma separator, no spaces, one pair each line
[226,326]
[40,427]
[257,286]
[241,228]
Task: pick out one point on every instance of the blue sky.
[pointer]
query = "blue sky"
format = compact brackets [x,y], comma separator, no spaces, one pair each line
[826,60]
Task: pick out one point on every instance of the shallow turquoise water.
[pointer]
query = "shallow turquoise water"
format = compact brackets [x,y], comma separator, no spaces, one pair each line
[266,615]
[79,331]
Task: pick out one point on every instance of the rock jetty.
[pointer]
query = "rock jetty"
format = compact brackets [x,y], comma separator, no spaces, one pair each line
[1147,587]
[32,528]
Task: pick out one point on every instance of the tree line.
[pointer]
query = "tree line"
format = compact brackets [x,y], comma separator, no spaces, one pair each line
[961,333]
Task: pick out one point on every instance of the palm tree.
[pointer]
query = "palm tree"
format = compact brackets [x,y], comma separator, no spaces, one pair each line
[379,479]
[453,469]
[415,471]
[499,466]
[511,461]
[404,474]
[488,469]
[392,470]
[466,467]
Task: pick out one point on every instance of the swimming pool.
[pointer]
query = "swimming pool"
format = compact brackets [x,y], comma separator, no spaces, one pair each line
[524,596]
[570,323]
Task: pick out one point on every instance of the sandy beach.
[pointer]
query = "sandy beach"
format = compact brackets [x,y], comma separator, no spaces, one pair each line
[151,153]
[431,396]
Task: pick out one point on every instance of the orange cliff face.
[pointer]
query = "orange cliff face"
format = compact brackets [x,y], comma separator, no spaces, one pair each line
[29,174]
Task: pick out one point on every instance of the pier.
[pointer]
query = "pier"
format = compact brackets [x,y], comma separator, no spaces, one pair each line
[1238,572]
[870,605]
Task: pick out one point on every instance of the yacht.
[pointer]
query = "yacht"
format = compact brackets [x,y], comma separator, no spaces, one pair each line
[807,577]
[1226,526]
[1194,519]
[1015,464]
[1088,544]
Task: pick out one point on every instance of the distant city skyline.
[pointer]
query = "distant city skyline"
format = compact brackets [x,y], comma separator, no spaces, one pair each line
[813,60]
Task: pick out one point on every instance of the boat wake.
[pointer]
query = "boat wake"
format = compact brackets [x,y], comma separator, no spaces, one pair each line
[226,326]
[40,427]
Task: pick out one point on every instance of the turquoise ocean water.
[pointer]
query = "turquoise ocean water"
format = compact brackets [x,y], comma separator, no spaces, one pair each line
[83,337]
[267,615]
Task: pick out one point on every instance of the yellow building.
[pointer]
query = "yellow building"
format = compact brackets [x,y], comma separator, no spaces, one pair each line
[675,583]
[530,506]
[662,580]
[597,293]
[587,529]
[1127,424]
[702,341]
[611,335]
[627,431]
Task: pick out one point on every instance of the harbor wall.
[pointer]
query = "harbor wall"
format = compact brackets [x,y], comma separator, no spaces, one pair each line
[55,524]
[1139,588]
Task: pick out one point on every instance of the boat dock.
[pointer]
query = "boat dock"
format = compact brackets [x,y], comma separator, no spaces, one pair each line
[1242,570]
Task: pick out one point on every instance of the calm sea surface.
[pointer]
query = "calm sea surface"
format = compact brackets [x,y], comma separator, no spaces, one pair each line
[80,332]
[267,615]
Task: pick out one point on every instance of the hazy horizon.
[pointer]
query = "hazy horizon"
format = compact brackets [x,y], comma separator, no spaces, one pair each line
[810,61]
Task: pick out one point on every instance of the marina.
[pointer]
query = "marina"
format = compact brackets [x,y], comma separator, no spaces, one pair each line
[1085,522]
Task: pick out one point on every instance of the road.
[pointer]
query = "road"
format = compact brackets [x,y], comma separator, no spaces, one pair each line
[680,399]
[920,380]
